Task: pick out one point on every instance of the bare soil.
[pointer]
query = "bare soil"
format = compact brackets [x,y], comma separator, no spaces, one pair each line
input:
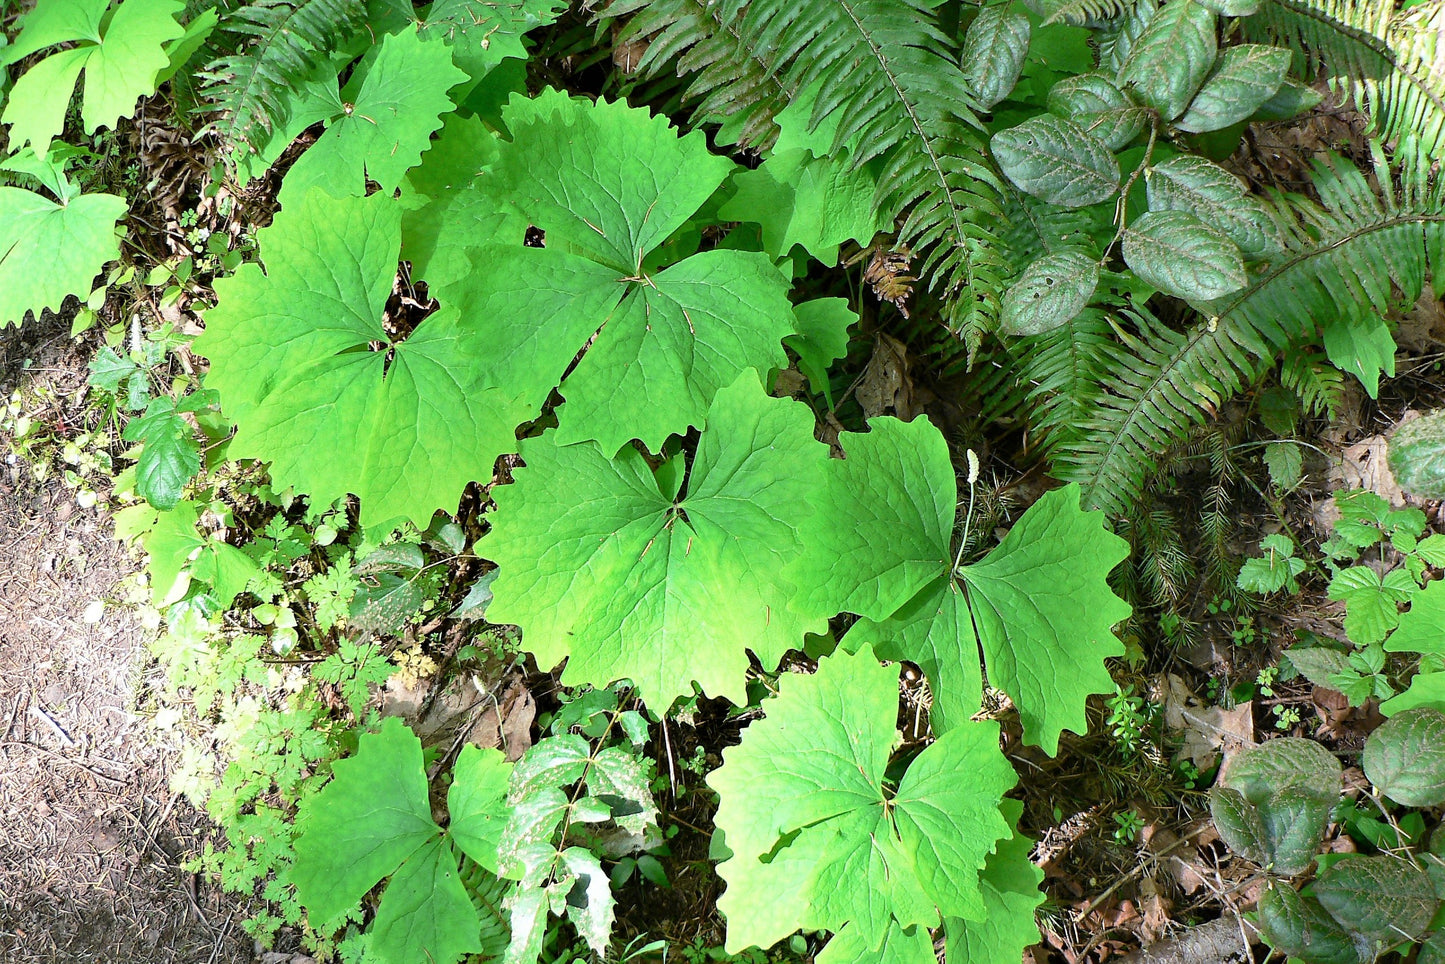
[91,839]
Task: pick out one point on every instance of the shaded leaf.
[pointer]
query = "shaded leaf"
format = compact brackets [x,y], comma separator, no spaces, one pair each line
[1050,293]
[1405,758]
[994,47]
[1179,254]
[1245,77]
[1097,105]
[1056,160]
[1168,62]
[1187,182]
[1381,896]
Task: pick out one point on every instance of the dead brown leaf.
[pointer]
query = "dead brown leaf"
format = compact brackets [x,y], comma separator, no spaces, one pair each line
[886,387]
[1205,730]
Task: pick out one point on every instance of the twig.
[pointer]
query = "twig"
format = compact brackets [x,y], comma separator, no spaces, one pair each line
[1150,860]
[55,727]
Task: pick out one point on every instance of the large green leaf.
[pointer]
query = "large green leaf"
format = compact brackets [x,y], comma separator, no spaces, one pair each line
[1040,602]
[293,357]
[372,816]
[121,63]
[483,33]
[1010,885]
[49,250]
[1362,346]
[1371,600]
[1422,627]
[599,564]
[608,184]
[425,913]
[817,841]
[1057,160]
[448,210]
[381,122]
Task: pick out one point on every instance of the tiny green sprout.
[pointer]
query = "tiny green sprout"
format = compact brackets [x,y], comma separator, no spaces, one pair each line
[1286,717]
[1128,824]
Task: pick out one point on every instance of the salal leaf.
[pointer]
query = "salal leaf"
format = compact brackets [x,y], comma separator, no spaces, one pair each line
[449,212]
[1096,104]
[1040,600]
[1405,758]
[1292,99]
[121,63]
[373,816]
[49,250]
[1240,823]
[381,122]
[1050,293]
[1179,254]
[1382,896]
[994,48]
[1362,346]
[1420,627]
[608,184]
[1187,182]
[1058,161]
[292,350]
[597,564]
[1010,885]
[1170,59]
[1246,76]
[802,808]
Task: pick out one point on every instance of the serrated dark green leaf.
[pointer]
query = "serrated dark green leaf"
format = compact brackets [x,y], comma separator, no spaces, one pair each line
[1095,103]
[1170,59]
[1405,758]
[1384,897]
[1295,818]
[1285,461]
[1239,823]
[1181,255]
[994,48]
[1292,99]
[1058,161]
[1049,294]
[1246,76]
[1276,764]
[1299,927]
[1187,182]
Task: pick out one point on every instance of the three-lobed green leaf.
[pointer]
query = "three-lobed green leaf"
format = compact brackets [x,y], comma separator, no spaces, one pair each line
[817,841]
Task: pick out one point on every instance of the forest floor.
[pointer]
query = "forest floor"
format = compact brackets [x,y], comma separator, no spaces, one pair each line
[92,841]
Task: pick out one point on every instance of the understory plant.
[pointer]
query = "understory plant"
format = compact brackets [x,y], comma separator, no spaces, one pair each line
[561,360]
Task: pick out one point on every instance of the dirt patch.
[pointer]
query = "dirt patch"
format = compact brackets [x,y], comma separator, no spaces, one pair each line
[91,840]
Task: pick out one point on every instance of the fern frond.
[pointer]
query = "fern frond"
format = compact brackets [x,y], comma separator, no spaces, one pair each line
[729,78]
[1345,257]
[1387,60]
[275,44]
[890,76]
[1080,13]
[1319,385]
[1064,369]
